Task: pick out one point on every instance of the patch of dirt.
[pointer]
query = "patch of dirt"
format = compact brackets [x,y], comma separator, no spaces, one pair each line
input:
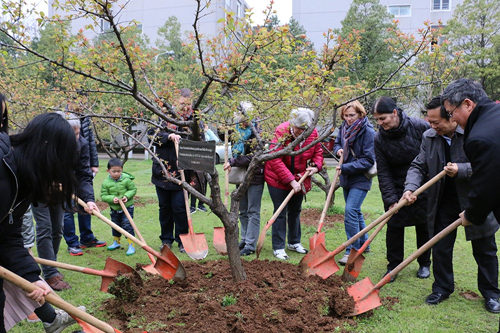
[388,302]
[141,202]
[276,297]
[311,216]
[102,205]
[470,295]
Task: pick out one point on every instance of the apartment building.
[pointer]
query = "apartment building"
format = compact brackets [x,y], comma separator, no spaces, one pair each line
[317,16]
[152,14]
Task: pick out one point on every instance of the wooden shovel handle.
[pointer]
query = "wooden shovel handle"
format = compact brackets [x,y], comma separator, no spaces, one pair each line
[74,268]
[186,199]
[226,179]
[330,194]
[56,300]
[112,224]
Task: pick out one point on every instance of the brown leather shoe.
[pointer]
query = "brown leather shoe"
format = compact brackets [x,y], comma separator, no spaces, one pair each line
[56,282]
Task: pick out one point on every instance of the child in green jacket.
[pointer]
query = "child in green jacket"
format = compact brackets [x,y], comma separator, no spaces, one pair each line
[119,185]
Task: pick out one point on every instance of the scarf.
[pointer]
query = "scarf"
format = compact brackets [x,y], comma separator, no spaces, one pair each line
[349,134]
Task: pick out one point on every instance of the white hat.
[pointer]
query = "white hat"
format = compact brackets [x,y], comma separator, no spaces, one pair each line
[301,117]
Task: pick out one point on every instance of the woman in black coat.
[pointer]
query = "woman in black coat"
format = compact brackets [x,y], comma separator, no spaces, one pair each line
[396,145]
[28,173]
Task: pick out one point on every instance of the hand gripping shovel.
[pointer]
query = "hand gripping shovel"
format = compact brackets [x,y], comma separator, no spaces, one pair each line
[57,301]
[365,294]
[148,268]
[355,262]
[168,266]
[195,244]
[319,237]
[111,270]
[322,263]
[269,223]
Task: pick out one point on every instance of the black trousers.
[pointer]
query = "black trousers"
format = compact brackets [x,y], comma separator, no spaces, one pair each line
[172,213]
[395,243]
[485,254]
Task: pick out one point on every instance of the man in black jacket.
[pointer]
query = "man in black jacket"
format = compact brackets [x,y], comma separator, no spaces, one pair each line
[467,103]
[442,147]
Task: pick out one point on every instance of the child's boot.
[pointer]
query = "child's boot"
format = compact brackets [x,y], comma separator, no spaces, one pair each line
[131,248]
[115,245]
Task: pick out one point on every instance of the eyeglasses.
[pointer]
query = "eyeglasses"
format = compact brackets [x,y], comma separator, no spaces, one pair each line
[450,113]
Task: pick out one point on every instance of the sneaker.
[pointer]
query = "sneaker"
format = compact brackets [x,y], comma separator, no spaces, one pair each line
[181,248]
[241,245]
[75,251]
[32,318]
[62,320]
[202,208]
[297,248]
[131,250]
[169,245]
[114,246]
[281,254]
[344,259]
[246,251]
[56,282]
[192,210]
[94,243]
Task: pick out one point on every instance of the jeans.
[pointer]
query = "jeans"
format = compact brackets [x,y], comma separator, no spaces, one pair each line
[120,219]
[250,215]
[49,230]
[69,231]
[353,218]
[290,215]
[172,212]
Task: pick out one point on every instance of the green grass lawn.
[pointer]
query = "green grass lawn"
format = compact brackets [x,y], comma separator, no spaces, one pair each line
[410,314]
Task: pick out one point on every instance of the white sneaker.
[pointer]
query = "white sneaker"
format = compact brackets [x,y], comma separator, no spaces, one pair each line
[281,254]
[62,320]
[297,248]
[344,259]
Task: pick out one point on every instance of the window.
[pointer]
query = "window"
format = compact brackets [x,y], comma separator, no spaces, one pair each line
[228,4]
[105,25]
[440,4]
[400,10]
[238,9]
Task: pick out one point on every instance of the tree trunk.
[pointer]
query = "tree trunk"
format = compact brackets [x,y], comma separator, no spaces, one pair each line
[233,251]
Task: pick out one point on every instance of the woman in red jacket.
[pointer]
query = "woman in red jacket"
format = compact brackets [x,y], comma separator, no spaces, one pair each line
[282,175]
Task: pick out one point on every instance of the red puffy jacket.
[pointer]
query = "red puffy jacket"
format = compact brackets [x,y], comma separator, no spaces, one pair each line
[277,171]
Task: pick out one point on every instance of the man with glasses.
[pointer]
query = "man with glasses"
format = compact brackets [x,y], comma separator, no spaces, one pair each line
[467,104]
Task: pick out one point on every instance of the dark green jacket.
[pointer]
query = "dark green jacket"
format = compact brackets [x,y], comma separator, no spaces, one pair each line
[124,186]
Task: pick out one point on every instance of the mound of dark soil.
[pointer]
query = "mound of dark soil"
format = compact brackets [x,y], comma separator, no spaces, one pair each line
[276,297]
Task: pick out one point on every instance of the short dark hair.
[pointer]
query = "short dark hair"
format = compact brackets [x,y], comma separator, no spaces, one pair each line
[460,89]
[436,103]
[385,104]
[46,155]
[115,162]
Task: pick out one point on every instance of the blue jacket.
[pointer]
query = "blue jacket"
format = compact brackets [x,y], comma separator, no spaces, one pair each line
[357,164]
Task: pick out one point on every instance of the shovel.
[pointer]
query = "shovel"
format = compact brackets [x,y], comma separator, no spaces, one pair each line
[168,266]
[195,244]
[148,268]
[319,237]
[365,294]
[356,258]
[269,223]
[111,270]
[322,263]
[58,302]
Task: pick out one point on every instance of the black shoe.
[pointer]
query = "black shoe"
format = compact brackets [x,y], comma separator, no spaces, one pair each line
[192,210]
[436,298]
[202,208]
[492,305]
[181,248]
[246,252]
[423,272]
[169,245]
[392,278]
[241,245]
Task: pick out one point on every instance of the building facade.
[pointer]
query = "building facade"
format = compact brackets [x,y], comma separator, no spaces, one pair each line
[317,16]
[152,14]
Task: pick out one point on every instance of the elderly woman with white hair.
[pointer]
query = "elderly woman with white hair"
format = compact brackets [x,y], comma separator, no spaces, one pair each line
[282,174]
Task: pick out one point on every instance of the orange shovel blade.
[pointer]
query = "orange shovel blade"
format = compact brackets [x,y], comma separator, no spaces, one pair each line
[365,297]
[219,240]
[317,238]
[114,268]
[150,269]
[169,266]
[87,328]
[313,264]
[353,268]
[195,245]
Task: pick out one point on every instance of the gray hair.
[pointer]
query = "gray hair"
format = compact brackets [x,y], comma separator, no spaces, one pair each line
[460,89]
[301,117]
[73,120]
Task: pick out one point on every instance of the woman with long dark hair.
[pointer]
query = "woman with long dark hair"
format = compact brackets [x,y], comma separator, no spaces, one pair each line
[354,145]
[35,165]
